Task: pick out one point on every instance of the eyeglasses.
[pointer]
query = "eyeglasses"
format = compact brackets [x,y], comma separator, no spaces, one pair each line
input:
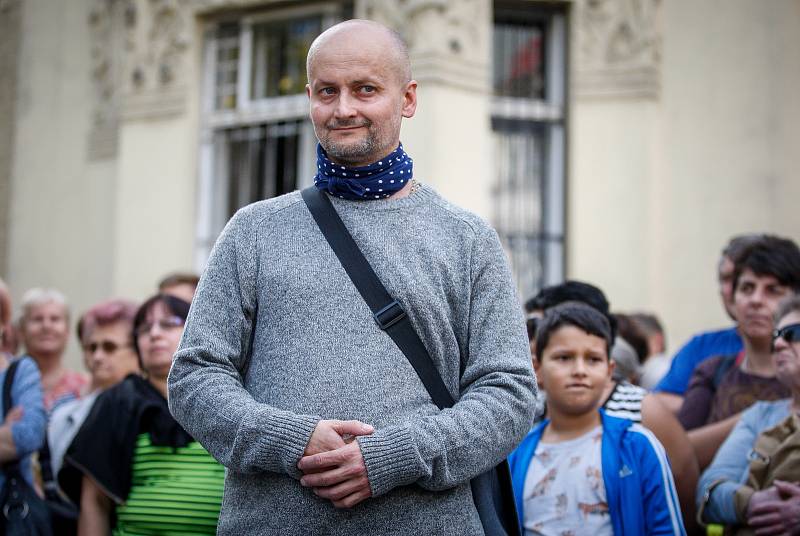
[108,347]
[790,334]
[170,322]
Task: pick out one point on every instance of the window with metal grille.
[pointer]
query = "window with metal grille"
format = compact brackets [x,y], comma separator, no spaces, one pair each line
[256,139]
[528,127]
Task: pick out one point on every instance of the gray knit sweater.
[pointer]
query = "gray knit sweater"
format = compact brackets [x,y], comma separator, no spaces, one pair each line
[274,285]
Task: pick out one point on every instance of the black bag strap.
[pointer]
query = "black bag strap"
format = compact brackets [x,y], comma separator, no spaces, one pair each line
[387,311]
[8,383]
[46,466]
[8,403]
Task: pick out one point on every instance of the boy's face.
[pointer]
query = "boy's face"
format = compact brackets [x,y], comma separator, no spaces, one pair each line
[574,369]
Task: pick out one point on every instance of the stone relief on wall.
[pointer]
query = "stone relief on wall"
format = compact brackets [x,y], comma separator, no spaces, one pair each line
[157,38]
[618,47]
[141,51]
[449,41]
[105,27]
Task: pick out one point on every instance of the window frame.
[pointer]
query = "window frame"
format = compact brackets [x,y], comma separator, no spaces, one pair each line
[212,189]
[549,113]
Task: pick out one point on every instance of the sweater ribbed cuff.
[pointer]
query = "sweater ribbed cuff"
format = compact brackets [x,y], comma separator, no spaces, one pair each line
[287,438]
[390,458]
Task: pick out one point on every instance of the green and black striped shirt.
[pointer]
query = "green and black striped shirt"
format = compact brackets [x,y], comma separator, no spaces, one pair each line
[174,492]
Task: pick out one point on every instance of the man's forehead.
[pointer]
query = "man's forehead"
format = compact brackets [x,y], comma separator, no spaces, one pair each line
[347,71]
[366,48]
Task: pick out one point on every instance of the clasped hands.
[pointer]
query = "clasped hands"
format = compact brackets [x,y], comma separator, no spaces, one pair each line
[775,510]
[332,463]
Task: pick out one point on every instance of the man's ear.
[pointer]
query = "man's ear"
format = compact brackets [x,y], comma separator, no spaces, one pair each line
[308,90]
[410,99]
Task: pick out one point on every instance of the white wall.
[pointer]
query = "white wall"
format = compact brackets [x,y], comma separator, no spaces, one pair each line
[61,215]
[155,203]
[450,141]
[717,154]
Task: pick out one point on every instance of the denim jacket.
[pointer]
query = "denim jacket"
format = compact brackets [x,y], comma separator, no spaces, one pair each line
[728,471]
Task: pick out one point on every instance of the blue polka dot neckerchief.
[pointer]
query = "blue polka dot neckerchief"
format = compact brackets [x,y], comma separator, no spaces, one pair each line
[375,181]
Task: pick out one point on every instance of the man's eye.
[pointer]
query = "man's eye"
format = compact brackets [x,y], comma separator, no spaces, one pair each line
[367,89]
[327,91]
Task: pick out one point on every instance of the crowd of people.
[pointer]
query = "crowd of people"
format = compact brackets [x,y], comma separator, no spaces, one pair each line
[106,441]
[724,409]
[711,436]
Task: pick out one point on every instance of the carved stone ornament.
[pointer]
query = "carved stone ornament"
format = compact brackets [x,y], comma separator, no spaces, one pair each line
[449,41]
[618,48]
[157,38]
[105,28]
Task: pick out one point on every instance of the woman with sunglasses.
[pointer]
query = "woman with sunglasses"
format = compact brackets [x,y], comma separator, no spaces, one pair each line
[726,493]
[135,469]
[105,332]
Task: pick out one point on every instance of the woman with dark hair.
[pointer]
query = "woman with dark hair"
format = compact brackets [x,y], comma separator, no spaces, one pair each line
[133,468]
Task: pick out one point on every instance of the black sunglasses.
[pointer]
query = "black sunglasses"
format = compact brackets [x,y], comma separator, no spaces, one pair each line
[108,347]
[790,334]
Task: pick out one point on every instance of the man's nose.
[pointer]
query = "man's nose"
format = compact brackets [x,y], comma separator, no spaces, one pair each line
[345,106]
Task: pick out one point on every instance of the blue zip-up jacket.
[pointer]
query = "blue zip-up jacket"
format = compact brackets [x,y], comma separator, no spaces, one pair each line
[636,473]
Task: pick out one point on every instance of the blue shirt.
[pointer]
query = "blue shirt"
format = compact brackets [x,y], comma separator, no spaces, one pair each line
[28,432]
[698,349]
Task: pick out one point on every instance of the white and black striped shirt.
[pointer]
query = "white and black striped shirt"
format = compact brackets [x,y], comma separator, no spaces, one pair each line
[625,401]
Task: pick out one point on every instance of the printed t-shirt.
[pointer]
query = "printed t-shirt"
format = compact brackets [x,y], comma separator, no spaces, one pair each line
[564,491]
[70,386]
[703,403]
[694,352]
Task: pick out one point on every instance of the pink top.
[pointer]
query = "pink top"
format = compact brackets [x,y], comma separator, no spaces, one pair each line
[72,385]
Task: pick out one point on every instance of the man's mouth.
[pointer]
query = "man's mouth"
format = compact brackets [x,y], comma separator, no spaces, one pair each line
[346,126]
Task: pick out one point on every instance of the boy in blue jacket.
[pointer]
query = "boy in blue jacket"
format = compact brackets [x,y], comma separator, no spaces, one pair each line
[581,471]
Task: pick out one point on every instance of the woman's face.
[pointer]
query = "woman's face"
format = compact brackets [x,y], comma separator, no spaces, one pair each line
[158,339]
[756,299]
[109,354]
[787,355]
[45,330]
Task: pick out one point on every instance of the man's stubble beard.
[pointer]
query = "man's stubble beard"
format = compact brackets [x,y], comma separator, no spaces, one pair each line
[365,151]
[349,153]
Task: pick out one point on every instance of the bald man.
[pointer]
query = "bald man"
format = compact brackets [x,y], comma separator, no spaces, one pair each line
[284,375]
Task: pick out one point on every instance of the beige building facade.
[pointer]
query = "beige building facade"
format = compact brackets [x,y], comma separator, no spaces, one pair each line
[617,141]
